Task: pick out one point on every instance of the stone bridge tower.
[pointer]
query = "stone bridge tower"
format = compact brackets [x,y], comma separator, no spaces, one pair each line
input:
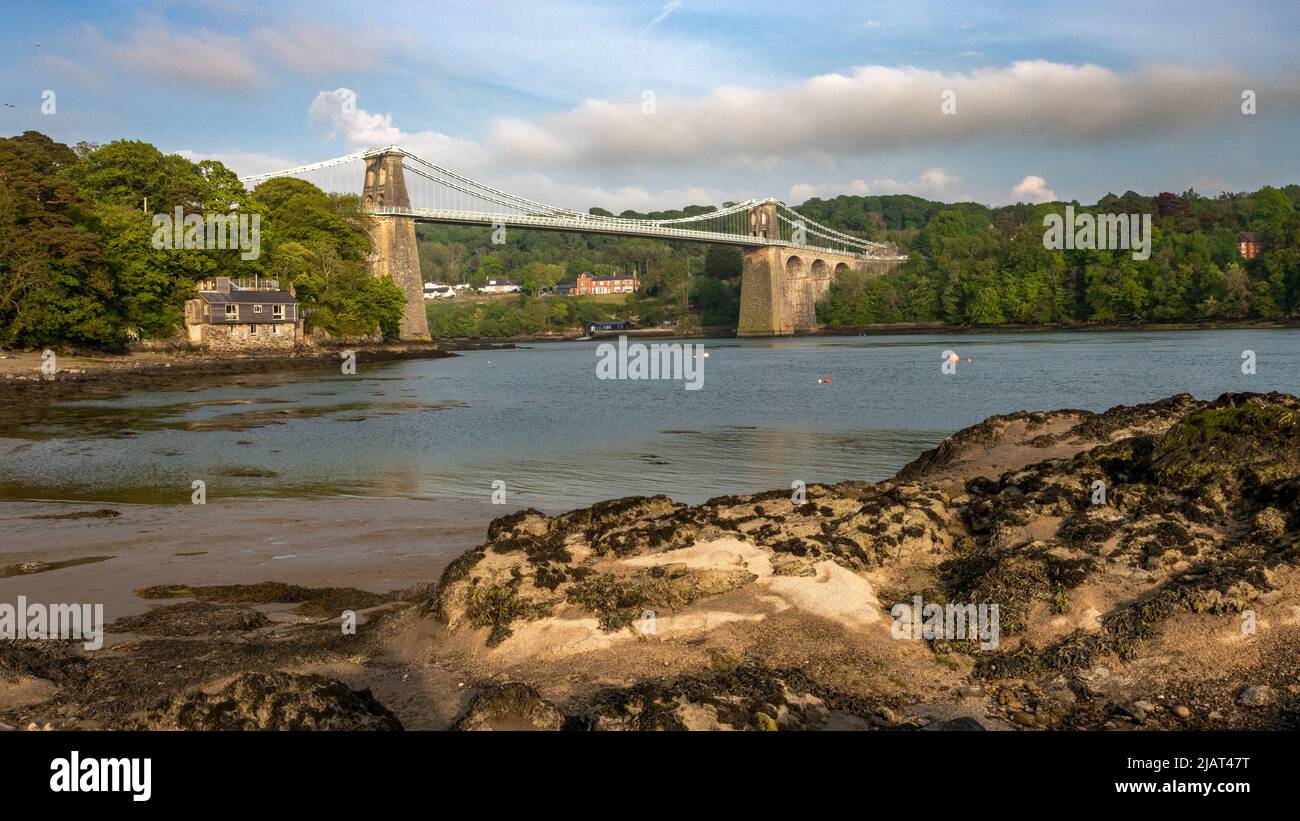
[781,284]
[392,239]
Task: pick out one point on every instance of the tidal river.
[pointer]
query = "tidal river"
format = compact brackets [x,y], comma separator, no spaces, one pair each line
[538,423]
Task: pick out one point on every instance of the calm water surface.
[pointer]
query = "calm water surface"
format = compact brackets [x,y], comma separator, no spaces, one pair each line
[538,419]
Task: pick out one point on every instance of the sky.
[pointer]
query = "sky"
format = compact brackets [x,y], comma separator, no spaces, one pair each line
[646,105]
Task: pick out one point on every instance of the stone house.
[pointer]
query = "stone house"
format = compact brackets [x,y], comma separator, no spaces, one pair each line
[244,316]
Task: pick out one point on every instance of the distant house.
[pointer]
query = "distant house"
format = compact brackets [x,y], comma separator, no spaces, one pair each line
[228,315]
[433,290]
[1250,244]
[605,325]
[501,286]
[566,289]
[589,284]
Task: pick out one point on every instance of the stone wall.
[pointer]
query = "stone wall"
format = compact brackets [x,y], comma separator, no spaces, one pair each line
[237,338]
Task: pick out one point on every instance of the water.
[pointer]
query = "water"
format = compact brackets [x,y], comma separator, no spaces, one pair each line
[538,420]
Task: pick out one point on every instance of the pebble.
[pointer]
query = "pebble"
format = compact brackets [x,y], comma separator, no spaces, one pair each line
[1260,695]
[1145,706]
[1024,719]
[1182,712]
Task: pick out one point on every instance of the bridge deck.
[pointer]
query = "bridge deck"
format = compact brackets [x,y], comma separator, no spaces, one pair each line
[629,228]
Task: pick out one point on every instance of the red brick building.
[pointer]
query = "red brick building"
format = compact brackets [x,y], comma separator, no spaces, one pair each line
[589,284]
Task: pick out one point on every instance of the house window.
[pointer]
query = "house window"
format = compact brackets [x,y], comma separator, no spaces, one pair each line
[205,310]
[252,330]
[232,312]
[275,329]
[257,309]
[277,312]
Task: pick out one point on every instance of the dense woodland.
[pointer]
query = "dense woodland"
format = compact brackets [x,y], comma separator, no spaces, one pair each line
[77,265]
[974,265]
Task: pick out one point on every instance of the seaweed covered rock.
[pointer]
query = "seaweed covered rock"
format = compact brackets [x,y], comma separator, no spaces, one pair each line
[191,619]
[749,697]
[620,560]
[1109,542]
[510,706]
[272,701]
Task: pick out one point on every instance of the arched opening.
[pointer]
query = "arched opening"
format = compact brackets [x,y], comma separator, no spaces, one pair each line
[379,200]
[383,176]
[370,201]
[370,179]
[819,269]
[841,267]
[794,267]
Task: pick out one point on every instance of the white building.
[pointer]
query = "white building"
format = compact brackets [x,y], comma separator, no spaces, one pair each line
[501,286]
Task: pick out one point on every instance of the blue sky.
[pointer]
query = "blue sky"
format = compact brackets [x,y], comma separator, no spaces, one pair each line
[551,100]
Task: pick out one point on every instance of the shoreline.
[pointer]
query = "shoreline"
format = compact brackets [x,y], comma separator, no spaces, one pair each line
[918,328]
[85,374]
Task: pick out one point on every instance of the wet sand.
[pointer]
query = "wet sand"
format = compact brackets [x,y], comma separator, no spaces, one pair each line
[375,544]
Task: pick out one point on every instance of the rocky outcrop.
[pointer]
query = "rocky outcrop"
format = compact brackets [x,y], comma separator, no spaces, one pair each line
[510,706]
[1102,562]
[272,701]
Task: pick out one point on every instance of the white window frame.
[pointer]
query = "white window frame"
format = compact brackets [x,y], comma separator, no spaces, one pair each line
[277,312]
[252,329]
[257,309]
[235,314]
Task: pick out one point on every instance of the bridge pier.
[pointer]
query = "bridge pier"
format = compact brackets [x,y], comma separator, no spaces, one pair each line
[780,286]
[392,240]
[762,293]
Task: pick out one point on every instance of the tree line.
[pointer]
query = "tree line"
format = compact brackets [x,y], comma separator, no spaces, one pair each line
[973,265]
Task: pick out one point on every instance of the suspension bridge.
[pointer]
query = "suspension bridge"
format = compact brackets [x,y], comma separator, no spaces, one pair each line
[789,261]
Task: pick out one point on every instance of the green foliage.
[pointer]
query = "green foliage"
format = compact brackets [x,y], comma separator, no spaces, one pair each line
[971,265]
[716,300]
[78,262]
[524,316]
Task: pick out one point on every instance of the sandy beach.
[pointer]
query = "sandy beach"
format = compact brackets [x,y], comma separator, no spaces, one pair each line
[375,544]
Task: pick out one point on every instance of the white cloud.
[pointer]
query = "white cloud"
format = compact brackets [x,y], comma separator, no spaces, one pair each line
[879,108]
[202,58]
[207,59]
[1032,188]
[336,112]
[243,163]
[313,49]
[935,183]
